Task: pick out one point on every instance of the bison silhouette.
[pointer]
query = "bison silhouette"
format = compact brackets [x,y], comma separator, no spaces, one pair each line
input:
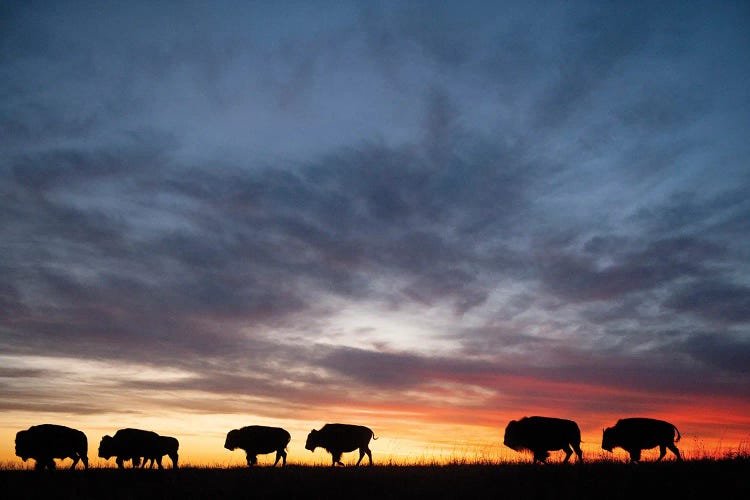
[543,434]
[259,440]
[636,434]
[166,445]
[46,442]
[132,444]
[340,438]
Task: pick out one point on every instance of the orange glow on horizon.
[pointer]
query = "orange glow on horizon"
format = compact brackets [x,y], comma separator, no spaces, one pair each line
[447,420]
[406,434]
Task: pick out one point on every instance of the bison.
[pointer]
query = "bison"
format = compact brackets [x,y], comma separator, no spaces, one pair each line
[340,438]
[132,444]
[636,434]
[543,434]
[258,440]
[46,442]
[167,445]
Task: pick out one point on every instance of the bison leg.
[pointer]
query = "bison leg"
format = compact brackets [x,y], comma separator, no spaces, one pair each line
[85,461]
[662,452]
[158,462]
[541,456]
[635,455]
[280,454]
[75,461]
[45,463]
[336,458]
[120,465]
[251,459]
[365,451]
[579,453]
[568,452]
[676,452]
[175,458]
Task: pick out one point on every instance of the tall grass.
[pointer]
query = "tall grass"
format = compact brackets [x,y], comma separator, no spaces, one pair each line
[696,454]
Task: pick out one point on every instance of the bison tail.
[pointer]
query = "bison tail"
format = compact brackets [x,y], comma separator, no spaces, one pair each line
[678,434]
[374,436]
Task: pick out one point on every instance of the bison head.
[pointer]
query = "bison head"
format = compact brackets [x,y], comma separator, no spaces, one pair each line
[512,437]
[107,447]
[609,439]
[23,447]
[313,440]
[233,440]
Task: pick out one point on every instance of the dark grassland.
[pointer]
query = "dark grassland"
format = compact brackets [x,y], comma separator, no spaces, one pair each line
[702,479]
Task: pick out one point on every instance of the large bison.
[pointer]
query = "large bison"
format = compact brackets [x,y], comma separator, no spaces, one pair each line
[132,444]
[636,434]
[543,434]
[340,438]
[46,442]
[258,440]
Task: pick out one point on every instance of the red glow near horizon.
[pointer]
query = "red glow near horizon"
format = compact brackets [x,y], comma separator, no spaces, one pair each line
[451,419]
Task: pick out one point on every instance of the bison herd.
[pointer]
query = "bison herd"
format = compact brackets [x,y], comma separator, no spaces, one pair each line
[539,435]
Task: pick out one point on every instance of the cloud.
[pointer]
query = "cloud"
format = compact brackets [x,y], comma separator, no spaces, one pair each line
[377,369]
[546,202]
[129,245]
[724,303]
[728,353]
[608,270]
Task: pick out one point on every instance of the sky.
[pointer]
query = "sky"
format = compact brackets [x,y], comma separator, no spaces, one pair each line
[425,217]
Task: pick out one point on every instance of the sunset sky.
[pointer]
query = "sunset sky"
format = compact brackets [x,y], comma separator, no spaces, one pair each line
[429,218]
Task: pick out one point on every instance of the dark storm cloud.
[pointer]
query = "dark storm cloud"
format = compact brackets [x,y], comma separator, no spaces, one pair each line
[253,246]
[377,369]
[716,301]
[581,277]
[728,353]
[184,189]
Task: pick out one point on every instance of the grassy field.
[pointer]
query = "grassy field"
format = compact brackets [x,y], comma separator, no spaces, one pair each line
[729,478]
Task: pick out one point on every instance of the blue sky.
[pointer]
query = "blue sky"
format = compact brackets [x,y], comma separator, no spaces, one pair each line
[288,207]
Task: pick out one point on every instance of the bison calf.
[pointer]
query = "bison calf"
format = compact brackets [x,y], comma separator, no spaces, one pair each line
[637,434]
[166,445]
[340,438]
[543,434]
[46,442]
[259,440]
